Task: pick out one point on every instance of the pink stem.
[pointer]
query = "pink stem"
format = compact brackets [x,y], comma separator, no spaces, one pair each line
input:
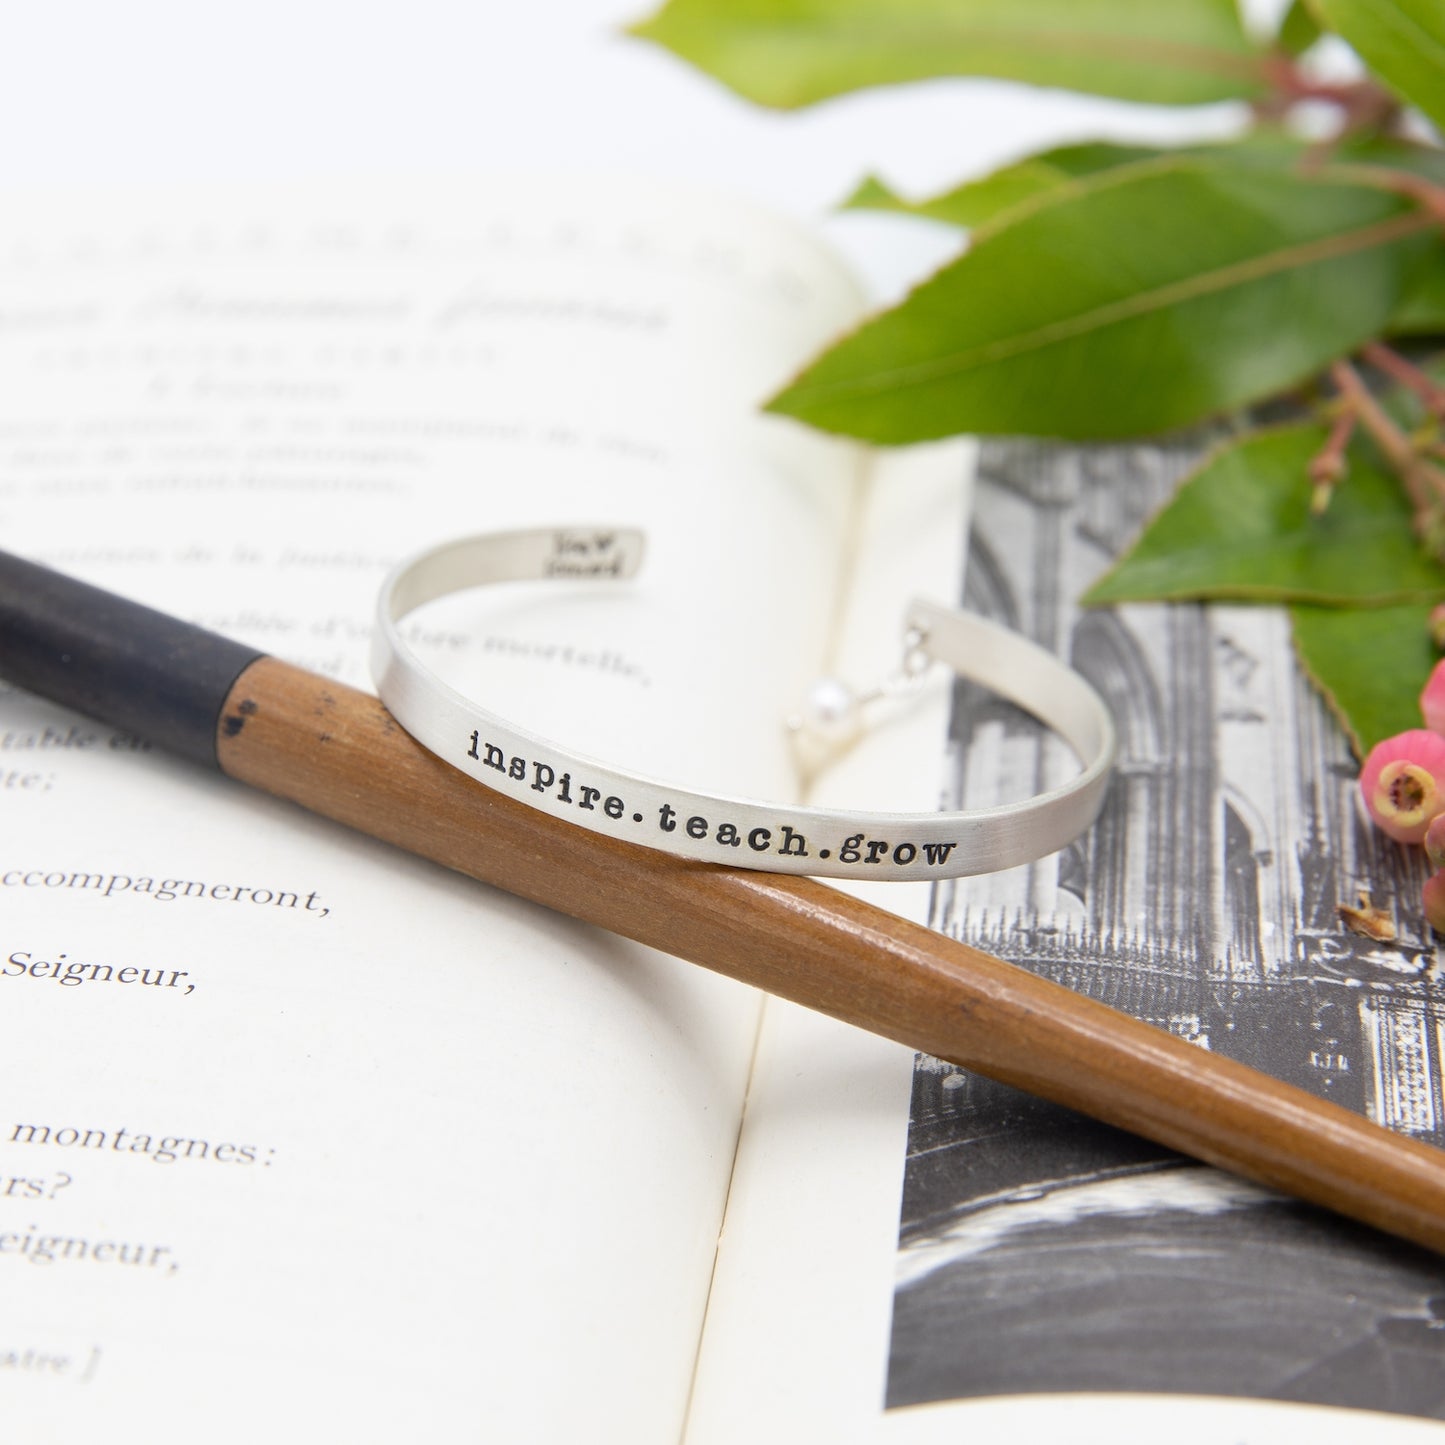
[1424,483]
[1388,360]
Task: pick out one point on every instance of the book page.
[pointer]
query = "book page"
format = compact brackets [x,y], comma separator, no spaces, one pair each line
[915,1254]
[299,1128]
[796,1342]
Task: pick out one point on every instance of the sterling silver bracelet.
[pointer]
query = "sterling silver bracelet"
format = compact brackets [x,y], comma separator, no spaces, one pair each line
[742,833]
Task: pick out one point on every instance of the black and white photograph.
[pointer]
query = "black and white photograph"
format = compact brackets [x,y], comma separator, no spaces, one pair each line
[1040,1251]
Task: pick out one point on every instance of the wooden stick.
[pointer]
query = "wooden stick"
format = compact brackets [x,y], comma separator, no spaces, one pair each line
[338,752]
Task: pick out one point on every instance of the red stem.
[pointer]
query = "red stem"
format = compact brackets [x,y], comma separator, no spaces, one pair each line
[1361,102]
[1430,392]
[1424,483]
[1328,467]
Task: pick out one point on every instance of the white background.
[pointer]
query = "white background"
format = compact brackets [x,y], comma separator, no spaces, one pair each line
[167,92]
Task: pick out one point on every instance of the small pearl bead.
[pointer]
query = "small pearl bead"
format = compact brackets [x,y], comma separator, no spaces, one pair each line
[830,711]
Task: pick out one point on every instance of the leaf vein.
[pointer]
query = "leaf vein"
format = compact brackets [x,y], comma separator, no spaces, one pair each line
[1411,32]
[1192,288]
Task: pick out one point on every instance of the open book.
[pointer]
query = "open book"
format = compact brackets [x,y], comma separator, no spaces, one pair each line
[320,1129]
[307,1137]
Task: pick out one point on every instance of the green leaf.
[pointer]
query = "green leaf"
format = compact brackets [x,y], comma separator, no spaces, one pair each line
[1051,172]
[975,202]
[1241,529]
[1392,153]
[1402,41]
[1298,30]
[789,53]
[1140,299]
[1369,662]
[1420,310]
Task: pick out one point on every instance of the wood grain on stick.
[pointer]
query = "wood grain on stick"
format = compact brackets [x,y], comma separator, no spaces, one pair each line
[338,752]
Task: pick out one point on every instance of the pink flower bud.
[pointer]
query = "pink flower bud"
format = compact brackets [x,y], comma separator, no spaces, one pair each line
[1403,783]
[1435,901]
[1435,842]
[1437,625]
[1432,700]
